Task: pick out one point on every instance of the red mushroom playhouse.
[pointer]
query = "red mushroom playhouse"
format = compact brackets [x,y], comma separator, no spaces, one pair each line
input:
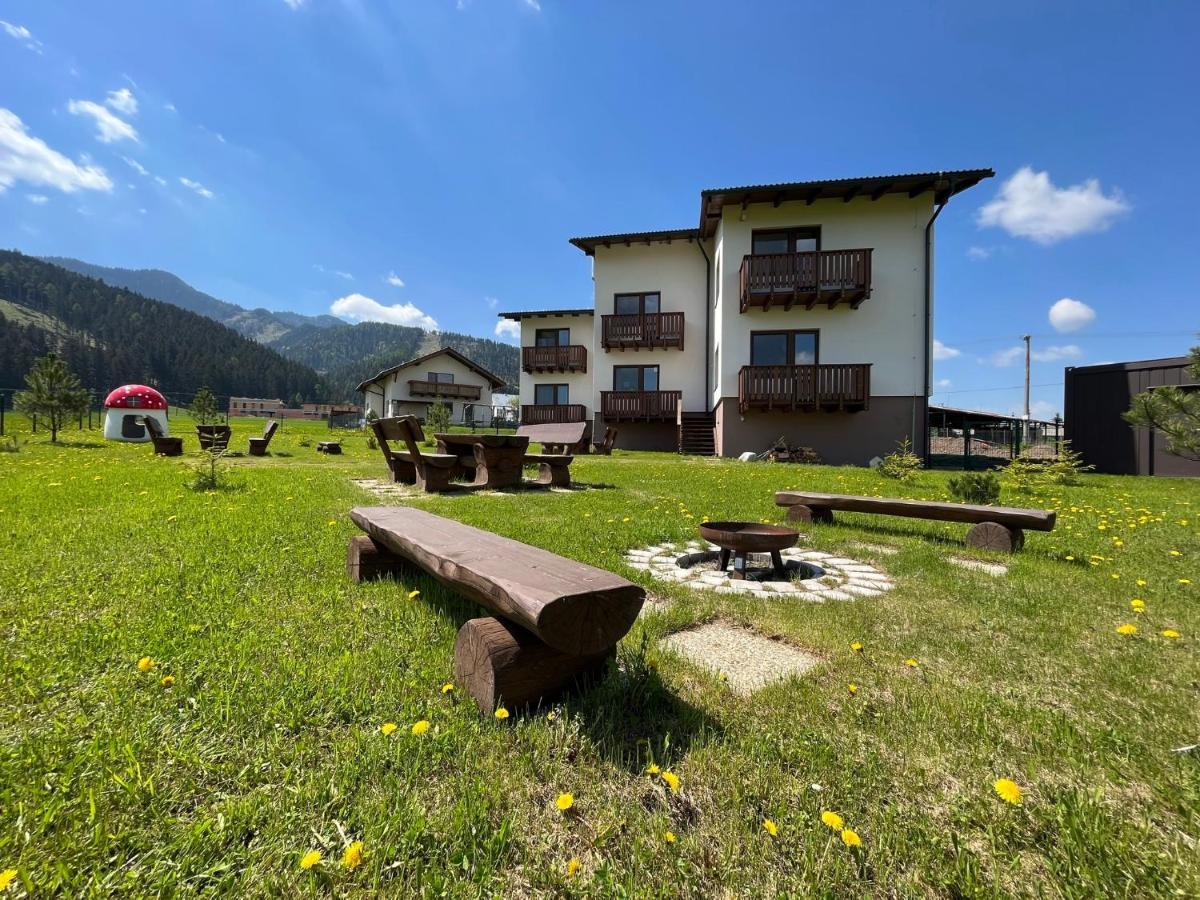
[127,407]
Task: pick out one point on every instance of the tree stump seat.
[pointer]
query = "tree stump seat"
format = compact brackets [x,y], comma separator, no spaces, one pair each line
[554,620]
[1000,528]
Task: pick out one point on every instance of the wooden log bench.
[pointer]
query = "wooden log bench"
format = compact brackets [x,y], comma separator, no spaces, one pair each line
[994,527]
[555,619]
[258,445]
[431,472]
[164,445]
[333,448]
[560,437]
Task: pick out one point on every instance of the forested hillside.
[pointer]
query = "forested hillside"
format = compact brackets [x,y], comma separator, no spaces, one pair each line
[348,354]
[262,325]
[111,337]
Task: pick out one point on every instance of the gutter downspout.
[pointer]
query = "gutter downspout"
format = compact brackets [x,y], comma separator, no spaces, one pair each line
[707,321]
[928,320]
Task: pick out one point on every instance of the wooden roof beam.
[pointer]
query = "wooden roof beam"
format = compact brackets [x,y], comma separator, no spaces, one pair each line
[852,193]
[921,188]
[880,191]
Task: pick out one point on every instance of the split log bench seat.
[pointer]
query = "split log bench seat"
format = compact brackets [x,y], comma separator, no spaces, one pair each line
[164,445]
[555,619]
[994,527]
[258,445]
[429,471]
[560,437]
[333,448]
[605,447]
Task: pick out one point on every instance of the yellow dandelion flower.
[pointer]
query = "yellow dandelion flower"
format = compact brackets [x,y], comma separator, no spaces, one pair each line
[652,769]
[1127,628]
[413,595]
[1141,582]
[565,802]
[310,859]
[573,867]
[669,837]
[850,838]
[1176,553]
[353,856]
[1070,559]
[419,728]
[856,647]
[6,878]
[387,728]
[1137,605]
[168,680]
[852,688]
[447,688]
[1185,581]
[145,664]
[770,827]
[672,781]
[501,713]
[832,820]
[911,663]
[1170,633]
[1008,791]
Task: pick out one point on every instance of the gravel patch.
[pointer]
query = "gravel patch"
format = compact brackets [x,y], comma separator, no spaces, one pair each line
[744,659]
[977,565]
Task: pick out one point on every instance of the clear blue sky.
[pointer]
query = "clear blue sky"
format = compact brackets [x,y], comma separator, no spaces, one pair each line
[457,145]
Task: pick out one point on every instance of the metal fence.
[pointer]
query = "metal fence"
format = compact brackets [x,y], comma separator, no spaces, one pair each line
[987,446]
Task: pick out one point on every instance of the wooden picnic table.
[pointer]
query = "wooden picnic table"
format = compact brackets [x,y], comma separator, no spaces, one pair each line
[498,457]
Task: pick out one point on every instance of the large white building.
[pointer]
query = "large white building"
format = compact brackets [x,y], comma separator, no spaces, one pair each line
[798,310]
[444,376]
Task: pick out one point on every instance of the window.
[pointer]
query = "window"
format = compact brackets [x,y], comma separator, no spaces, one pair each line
[635,304]
[552,337]
[441,377]
[551,395]
[785,240]
[783,348]
[635,378]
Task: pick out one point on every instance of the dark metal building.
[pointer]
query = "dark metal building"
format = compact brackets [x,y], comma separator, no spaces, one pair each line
[1095,398]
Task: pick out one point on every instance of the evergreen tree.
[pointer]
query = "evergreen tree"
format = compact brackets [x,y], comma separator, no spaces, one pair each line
[1173,412]
[204,407]
[54,393]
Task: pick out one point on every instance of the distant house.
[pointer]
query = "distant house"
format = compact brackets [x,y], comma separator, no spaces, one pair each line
[1095,398]
[254,406]
[445,375]
[275,409]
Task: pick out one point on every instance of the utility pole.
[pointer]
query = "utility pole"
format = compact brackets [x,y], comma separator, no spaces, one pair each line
[1025,436]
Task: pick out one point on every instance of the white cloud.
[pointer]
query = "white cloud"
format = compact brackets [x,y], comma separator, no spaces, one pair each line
[359,308]
[394,280]
[942,352]
[123,101]
[26,158]
[1071,315]
[294,4]
[160,180]
[37,199]
[169,107]
[535,5]
[1054,353]
[1042,409]
[21,33]
[944,382]
[136,166]
[1029,205]
[109,128]
[197,187]
[978,253]
[508,329]
[492,302]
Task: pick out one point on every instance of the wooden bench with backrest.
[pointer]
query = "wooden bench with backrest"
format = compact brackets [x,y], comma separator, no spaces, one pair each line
[429,471]
[258,445]
[994,528]
[560,437]
[163,444]
[555,618]
[605,447]
[214,437]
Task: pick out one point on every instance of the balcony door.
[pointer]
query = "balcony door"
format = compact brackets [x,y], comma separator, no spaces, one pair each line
[635,304]
[785,240]
[552,337]
[783,348]
[635,378]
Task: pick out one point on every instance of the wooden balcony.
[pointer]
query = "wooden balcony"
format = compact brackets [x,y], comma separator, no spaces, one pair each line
[639,406]
[572,358]
[806,388]
[818,276]
[638,331]
[444,390]
[553,414]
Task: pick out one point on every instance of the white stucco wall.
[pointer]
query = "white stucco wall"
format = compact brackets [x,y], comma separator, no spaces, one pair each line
[579,384]
[887,330]
[395,388]
[677,272]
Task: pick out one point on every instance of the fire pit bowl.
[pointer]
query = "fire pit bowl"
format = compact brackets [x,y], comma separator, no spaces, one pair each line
[741,538]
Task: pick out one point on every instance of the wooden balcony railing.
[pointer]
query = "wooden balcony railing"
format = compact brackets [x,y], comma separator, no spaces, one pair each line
[812,277]
[572,358]
[639,406]
[444,389]
[553,414]
[843,386]
[645,330]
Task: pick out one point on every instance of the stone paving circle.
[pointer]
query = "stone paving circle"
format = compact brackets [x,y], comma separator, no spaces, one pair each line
[831,577]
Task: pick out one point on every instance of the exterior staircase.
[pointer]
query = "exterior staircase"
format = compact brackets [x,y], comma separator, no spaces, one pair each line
[696,433]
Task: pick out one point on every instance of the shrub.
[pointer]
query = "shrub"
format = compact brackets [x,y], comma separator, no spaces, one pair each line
[901,464]
[1066,467]
[437,418]
[372,444]
[209,472]
[976,487]
[10,445]
[1024,474]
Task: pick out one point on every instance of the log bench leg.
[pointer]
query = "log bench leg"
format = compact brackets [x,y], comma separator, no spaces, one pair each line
[994,536]
[553,475]
[403,471]
[433,479]
[497,662]
[802,513]
[369,561]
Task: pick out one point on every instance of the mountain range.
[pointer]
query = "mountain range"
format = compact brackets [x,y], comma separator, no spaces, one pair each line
[339,355]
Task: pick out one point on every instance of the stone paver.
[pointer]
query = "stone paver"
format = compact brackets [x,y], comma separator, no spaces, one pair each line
[978,565]
[746,660]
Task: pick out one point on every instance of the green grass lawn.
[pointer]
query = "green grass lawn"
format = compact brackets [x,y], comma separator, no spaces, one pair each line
[267,745]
